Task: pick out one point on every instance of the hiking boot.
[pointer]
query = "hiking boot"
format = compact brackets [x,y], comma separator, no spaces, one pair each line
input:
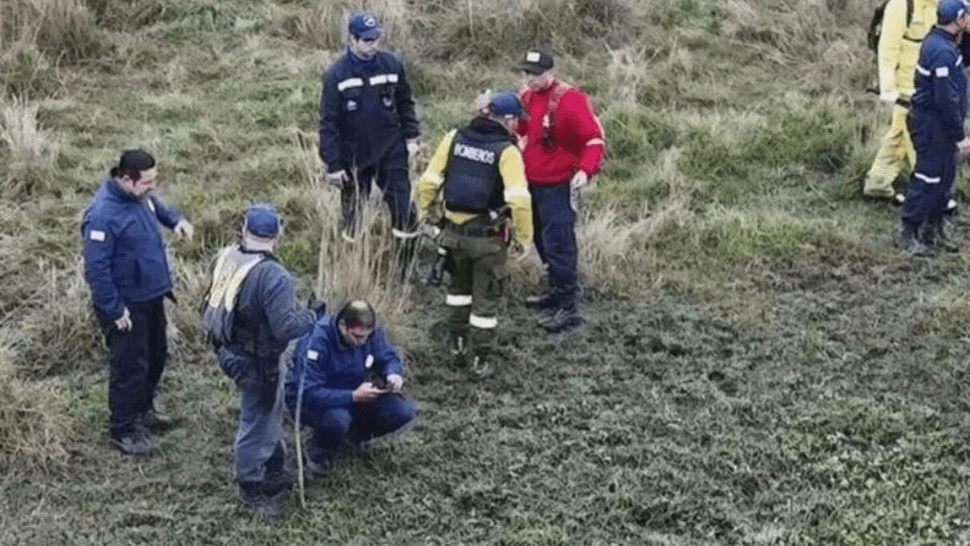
[252,497]
[564,320]
[133,444]
[540,302]
[156,423]
[278,482]
[458,345]
[482,366]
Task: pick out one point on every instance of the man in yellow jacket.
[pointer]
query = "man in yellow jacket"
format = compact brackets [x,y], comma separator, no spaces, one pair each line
[898,51]
[478,173]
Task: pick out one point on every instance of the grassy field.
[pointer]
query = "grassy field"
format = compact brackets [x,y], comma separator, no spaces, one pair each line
[759,364]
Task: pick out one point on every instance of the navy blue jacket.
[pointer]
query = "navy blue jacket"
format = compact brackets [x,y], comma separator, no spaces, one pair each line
[123,249]
[365,109]
[267,314]
[334,368]
[941,84]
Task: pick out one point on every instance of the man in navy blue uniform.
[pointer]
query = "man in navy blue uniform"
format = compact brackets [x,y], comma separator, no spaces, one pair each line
[127,269]
[251,314]
[937,112]
[367,126]
[350,379]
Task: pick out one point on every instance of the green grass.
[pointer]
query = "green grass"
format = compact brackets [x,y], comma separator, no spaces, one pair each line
[759,364]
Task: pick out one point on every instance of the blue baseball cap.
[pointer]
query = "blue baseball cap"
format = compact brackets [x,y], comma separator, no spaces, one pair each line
[364,24]
[262,220]
[950,10]
[505,103]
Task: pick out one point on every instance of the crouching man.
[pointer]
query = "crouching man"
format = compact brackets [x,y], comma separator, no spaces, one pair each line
[251,314]
[345,384]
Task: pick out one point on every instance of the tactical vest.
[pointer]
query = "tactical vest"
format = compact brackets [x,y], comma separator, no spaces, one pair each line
[473,184]
[230,271]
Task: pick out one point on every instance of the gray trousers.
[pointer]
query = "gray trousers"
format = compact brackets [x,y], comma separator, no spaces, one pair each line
[260,425]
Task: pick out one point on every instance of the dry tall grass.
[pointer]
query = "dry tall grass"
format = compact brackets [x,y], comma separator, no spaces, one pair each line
[27,142]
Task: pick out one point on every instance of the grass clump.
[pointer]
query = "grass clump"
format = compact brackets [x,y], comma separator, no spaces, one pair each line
[30,149]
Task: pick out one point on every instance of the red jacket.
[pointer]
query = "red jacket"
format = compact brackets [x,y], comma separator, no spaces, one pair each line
[578,141]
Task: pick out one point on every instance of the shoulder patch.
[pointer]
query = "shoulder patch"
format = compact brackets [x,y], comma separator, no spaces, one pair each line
[312,355]
[97,235]
[942,72]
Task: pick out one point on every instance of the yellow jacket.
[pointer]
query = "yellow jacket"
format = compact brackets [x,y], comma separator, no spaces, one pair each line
[516,193]
[899,45]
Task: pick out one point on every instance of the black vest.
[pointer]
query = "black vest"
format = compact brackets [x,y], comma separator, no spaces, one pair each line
[473,183]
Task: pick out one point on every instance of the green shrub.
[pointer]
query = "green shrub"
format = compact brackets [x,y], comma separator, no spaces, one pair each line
[706,157]
[820,137]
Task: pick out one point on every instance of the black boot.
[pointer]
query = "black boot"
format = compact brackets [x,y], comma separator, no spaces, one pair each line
[252,495]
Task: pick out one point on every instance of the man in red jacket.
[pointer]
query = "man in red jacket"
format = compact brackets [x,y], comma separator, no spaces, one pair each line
[562,146]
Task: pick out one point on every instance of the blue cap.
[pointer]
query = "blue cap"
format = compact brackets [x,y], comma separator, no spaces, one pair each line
[262,220]
[364,24]
[949,10]
[505,103]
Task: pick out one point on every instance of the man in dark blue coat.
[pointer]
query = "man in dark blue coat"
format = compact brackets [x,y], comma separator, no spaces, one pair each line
[251,314]
[127,269]
[350,379]
[937,112]
[367,119]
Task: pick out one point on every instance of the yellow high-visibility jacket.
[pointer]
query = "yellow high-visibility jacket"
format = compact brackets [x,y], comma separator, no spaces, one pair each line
[512,172]
[899,45]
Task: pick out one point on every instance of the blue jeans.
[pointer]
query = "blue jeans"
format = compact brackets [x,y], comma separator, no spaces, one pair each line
[336,428]
[554,221]
[136,360]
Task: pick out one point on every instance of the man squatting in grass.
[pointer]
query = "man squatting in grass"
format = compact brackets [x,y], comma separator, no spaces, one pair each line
[350,378]
[477,172]
[562,146]
[126,267]
[368,126]
[251,313]
[938,110]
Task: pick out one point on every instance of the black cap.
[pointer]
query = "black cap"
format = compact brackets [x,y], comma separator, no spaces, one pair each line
[536,62]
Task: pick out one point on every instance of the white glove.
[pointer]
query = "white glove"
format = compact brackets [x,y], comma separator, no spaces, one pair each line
[394,382]
[579,180]
[185,229]
[123,322]
[337,178]
[413,146]
[888,97]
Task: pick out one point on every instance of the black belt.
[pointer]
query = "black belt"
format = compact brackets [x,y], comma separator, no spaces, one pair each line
[900,101]
[474,229]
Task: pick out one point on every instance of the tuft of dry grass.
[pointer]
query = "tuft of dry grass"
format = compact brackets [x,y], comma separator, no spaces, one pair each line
[31,148]
[37,425]
[59,330]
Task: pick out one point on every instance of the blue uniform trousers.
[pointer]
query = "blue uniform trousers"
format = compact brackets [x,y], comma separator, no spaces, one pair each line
[337,428]
[136,360]
[931,181]
[391,176]
[554,221]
